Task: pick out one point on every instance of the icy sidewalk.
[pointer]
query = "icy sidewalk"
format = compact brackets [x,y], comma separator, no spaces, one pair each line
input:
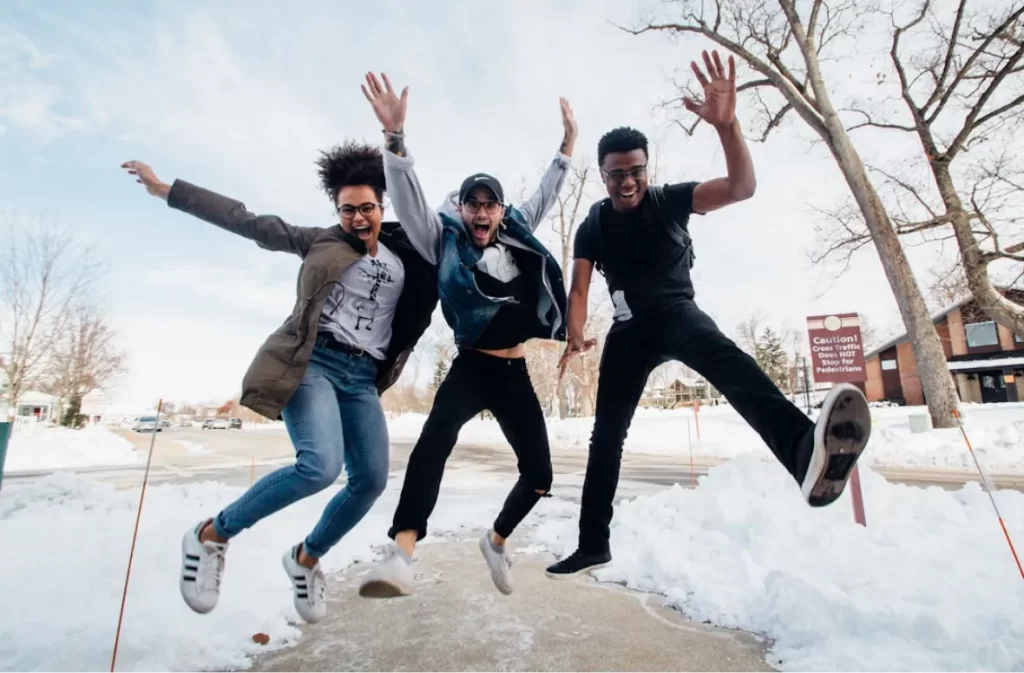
[458,621]
[928,585]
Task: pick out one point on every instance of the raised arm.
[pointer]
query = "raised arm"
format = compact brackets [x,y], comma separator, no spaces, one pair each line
[421,224]
[537,206]
[719,110]
[267,231]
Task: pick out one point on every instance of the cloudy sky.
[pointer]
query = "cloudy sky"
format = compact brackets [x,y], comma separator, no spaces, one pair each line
[238,97]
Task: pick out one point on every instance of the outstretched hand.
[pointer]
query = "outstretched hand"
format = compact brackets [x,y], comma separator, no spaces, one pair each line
[387,105]
[573,347]
[719,105]
[144,175]
[568,120]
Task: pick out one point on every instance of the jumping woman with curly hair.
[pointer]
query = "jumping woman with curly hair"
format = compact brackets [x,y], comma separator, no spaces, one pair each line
[364,298]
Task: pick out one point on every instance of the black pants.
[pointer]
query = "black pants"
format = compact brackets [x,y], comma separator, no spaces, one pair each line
[478,381]
[687,334]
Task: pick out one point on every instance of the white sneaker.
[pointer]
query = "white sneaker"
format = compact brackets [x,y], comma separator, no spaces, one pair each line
[390,578]
[500,564]
[308,587]
[202,566]
[840,435]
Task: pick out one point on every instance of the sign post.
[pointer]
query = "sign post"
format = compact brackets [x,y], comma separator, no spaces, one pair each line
[837,356]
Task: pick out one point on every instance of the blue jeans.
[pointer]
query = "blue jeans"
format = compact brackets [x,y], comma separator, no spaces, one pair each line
[334,419]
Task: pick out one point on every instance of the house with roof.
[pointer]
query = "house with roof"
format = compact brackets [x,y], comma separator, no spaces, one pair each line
[985,360]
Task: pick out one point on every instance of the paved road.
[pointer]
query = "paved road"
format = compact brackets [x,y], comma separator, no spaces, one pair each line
[237,456]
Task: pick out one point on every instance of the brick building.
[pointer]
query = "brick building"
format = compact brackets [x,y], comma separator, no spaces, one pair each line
[986,360]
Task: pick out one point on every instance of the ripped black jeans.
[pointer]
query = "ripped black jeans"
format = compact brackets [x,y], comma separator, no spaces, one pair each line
[478,381]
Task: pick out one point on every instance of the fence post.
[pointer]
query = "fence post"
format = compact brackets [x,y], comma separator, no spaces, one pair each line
[5,437]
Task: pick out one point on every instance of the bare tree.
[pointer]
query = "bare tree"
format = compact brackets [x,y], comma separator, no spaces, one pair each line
[786,50]
[44,271]
[959,72]
[564,219]
[84,357]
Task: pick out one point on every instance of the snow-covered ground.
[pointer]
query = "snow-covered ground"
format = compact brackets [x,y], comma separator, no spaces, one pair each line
[39,448]
[996,432]
[928,585]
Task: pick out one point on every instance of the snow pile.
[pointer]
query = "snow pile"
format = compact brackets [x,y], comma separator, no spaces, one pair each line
[85,530]
[996,432]
[33,448]
[928,585]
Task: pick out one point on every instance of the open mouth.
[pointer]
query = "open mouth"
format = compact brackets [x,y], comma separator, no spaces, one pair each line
[362,231]
[629,196]
[481,231]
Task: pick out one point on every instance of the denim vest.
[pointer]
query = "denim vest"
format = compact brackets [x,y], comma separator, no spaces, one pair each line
[467,309]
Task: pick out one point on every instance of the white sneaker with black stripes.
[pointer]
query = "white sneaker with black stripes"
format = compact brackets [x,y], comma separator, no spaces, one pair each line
[308,587]
[202,566]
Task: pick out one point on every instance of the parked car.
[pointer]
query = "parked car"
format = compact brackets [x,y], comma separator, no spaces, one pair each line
[235,423]
[215,424]
[146,424]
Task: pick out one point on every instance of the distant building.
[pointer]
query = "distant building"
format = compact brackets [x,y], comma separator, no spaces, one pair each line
[985,360]
[681,392]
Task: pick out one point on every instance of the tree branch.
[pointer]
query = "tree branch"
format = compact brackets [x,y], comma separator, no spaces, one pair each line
[870,122]
[800,103]
[950,51]
[969,63]
[971,122]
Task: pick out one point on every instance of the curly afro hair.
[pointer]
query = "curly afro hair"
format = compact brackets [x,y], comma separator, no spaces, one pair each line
[349,164]
[622,139]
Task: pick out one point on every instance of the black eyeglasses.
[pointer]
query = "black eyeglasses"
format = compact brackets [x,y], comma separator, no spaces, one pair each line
[619,175]
[365,209]
[473,206]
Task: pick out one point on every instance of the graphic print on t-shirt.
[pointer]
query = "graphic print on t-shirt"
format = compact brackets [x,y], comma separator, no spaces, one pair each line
[366,309]
[622,311]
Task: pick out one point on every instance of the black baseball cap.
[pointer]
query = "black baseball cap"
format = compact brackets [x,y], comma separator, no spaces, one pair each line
[478,179]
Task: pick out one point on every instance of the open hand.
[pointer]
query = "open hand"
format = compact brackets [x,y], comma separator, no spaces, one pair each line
[568,120]
[719,105]
[387,105]
[144,175]
[573,347]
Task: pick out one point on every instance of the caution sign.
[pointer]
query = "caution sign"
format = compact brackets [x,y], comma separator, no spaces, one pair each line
[837,352]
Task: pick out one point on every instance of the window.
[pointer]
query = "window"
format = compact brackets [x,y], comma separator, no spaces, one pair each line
[1017,339]
[888,364]
[982,334]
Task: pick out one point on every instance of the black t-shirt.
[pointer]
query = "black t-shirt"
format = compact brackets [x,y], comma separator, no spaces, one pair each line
[647,270]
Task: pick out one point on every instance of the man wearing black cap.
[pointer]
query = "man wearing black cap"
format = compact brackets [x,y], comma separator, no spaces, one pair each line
[499,286]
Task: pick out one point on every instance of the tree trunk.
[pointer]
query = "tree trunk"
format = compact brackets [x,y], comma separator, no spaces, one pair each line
[936,382]
[997,307]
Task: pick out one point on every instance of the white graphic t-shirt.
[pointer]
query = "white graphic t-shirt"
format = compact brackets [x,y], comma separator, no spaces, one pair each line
[362,304]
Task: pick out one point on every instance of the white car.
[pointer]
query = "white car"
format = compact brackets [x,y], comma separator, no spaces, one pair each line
[216,424]
[147,424]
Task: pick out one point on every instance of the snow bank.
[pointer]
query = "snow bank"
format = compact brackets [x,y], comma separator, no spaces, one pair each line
[65,618]
[996,432]
[35,448]
[928,585]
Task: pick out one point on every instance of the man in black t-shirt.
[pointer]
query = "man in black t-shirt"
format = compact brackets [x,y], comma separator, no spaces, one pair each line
[639,239]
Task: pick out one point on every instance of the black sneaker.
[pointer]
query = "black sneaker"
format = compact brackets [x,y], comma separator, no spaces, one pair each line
[840,436]
[578,562]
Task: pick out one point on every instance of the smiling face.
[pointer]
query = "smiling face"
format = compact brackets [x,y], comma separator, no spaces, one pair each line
[625,178]
[481,213]
[361,212]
